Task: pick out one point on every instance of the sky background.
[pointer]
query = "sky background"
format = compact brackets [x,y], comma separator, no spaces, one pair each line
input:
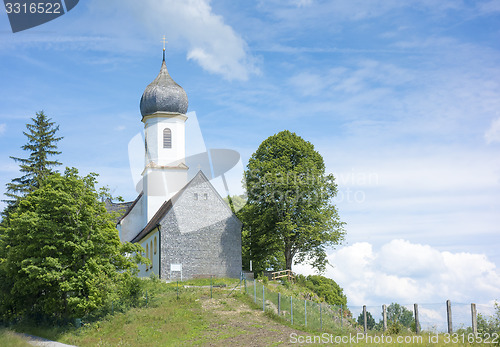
[401,98]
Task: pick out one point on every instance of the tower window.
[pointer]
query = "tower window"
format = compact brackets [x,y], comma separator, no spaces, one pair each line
[205,196]
[167,138]
[196,196]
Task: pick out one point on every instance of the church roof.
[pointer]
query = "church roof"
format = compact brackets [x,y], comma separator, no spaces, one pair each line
[122,208]
[163,95]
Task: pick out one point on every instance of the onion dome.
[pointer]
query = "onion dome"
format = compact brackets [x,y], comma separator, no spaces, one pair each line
[163,95]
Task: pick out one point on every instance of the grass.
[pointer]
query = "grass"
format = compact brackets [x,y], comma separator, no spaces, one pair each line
[173,316]
[9,338]
[168,321]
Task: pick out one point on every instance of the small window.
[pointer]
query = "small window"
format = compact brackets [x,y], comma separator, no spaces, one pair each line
[196,196]
[167,138]
[151,248]
[155,245]
[147,255]
[205,196]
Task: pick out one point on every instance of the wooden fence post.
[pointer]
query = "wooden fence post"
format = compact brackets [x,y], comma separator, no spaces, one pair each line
[320,317]
[305,313]
[417,322]
[341,316]
[474,318]
[365,323]
[448,313]
[384,316]
[279,304]
[263,298]
[254,290]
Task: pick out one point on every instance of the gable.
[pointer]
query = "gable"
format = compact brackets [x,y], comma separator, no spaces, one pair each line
[194,207]
[199,206]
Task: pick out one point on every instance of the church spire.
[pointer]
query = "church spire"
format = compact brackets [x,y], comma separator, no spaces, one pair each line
[164,42]
[163,94]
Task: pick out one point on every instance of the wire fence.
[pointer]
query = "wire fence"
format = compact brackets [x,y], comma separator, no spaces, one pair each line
[300,312]
[435,318]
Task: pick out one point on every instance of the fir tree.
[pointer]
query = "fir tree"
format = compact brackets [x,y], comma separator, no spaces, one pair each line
[41,145]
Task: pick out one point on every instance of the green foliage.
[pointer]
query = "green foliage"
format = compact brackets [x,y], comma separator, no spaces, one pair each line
[489,324]
[41,145]
[289,216]
[399,315]
[325,288]
[62,256]
[263,278]
[395,328]
[370,321]
[237,201]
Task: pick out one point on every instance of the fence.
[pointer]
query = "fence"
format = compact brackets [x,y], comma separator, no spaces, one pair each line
[440,317]
[306,313]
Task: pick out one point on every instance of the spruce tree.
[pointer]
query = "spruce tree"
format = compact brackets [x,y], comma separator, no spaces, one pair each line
[42,146]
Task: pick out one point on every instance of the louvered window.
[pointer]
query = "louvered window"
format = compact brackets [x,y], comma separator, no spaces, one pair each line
[167,138]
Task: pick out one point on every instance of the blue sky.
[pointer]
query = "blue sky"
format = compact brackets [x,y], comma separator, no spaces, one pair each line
[401,98]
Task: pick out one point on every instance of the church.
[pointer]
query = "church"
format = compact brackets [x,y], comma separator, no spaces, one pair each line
[185,227]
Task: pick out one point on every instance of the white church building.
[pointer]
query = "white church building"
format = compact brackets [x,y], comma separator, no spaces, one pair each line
[185,227]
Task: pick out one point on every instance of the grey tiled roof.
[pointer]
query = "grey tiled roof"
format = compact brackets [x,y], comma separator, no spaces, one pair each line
[122,208]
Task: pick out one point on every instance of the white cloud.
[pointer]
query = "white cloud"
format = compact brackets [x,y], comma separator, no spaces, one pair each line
[210,42]
[493,133]
[405,272]
[492,6]
[3,126]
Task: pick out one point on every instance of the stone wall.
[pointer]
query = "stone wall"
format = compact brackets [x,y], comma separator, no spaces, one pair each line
[201,233]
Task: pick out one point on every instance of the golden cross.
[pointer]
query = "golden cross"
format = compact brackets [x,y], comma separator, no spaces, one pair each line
[164,42]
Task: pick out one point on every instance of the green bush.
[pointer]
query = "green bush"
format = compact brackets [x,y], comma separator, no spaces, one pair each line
[325,288]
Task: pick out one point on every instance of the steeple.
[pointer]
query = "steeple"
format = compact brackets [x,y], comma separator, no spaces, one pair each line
[163,107]
[163,94]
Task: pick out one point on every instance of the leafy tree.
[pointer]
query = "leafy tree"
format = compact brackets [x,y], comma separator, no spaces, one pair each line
[289,216]
[62,254]
[327,289]
[489,324]
[41,145]
[370,321]
[397,314]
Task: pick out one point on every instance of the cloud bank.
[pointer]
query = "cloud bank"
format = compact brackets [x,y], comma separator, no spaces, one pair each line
[405,272]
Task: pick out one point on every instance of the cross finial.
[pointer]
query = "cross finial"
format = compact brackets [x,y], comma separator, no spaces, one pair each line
[164,42]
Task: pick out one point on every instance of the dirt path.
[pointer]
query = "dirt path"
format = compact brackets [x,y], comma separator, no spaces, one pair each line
[236,324]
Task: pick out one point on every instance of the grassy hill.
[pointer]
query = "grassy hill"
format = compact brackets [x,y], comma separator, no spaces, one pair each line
[189,314]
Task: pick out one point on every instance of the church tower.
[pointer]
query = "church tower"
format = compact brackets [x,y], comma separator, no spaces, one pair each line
[164,105]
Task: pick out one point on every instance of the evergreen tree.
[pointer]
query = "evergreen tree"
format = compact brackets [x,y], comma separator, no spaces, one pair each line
[397,314]
[370,321]
[41,146]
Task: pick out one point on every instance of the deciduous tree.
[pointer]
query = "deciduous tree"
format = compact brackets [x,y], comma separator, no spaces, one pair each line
[289,216]
[63,256]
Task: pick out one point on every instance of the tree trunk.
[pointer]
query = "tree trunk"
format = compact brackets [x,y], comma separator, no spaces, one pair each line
[288,258]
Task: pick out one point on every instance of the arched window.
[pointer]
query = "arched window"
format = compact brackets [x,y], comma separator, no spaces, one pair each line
[147,255]
[151,248]
[155,244]
[167,138]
